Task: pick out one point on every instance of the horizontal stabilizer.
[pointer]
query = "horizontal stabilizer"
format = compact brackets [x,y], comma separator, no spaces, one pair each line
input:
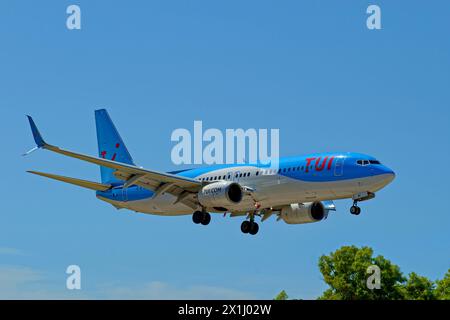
[78,182]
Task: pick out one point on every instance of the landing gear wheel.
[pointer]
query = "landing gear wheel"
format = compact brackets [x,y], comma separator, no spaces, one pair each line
[253,228]
[246,226]
[206,218]
[355,210]
[197,217]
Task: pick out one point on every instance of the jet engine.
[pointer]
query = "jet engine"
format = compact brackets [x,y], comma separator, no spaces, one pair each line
[298,213]
[220,194]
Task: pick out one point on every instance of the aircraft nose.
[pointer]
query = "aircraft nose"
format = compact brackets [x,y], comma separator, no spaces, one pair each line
[390,174]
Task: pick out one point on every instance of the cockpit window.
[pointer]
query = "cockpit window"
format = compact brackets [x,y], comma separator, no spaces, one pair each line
[367,162]
[362,162]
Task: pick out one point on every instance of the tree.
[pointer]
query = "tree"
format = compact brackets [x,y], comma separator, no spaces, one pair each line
[345,271]
[442,291]
[352,273]
[282,296]
[419,288]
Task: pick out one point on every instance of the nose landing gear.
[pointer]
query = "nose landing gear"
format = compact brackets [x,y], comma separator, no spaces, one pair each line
[362,196]
[355,209]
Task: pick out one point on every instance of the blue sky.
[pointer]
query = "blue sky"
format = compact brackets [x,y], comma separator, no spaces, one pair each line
[311,69]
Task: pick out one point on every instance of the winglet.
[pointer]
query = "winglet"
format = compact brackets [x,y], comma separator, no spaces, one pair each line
[36,134]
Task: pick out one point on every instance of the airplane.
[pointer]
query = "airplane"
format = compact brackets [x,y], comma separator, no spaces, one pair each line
[300,191]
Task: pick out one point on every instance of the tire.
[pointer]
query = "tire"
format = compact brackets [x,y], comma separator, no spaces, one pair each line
[245,226]
[254,228]
[355,210]
[197,217]
[206,218]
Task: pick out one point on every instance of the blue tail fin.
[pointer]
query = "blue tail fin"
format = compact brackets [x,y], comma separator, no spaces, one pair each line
[110,145]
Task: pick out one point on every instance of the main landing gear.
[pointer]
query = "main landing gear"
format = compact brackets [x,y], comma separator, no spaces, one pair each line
[251,226]
[201,217]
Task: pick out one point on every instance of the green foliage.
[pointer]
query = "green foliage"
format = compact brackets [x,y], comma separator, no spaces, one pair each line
[345,271]
[418,288]
[282,296]
[442,291]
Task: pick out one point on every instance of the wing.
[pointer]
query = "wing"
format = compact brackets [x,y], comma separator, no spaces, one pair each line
[158,182]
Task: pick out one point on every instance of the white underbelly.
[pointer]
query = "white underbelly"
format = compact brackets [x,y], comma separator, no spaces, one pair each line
[270,192]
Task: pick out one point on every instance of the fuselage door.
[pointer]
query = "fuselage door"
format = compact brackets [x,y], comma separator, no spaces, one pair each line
[339,166]
[124,194]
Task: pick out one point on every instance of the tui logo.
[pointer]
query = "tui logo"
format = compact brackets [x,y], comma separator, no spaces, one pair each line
[103,153]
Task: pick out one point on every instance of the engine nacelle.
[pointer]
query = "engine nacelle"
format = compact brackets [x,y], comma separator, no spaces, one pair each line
[298,213]
[220,194]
